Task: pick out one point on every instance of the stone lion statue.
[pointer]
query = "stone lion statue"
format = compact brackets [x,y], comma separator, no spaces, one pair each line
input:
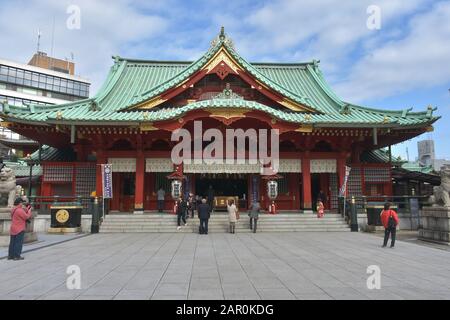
[8,184]
[441,194]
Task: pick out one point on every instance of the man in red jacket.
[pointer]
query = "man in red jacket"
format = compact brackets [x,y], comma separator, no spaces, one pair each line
[19,217]
[390,221]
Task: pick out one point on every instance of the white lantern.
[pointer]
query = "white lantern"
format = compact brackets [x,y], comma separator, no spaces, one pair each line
[272,189]
[176,189]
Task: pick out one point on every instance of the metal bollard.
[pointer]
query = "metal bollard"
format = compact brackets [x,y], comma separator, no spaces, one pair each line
[95,226]
[354,216]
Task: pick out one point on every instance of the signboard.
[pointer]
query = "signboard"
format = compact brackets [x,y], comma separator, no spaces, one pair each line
[107,181]
[343,189]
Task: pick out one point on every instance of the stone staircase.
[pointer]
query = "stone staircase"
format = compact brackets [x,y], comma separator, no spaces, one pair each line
[166,223]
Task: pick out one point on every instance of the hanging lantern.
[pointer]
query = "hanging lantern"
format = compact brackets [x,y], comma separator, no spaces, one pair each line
[272,189]
[177,187]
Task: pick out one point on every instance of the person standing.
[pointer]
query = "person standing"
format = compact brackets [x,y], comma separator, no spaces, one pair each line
[181,212]
[320,208]
[160,195]
[232,215]
[19,217]
[191,204]
[389,219]
[204,213]
[254,214]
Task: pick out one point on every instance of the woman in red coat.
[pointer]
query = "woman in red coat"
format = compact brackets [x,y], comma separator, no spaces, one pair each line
[390,221]
[19,217]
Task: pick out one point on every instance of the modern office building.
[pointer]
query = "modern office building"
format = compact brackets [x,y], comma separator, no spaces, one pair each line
[43,81]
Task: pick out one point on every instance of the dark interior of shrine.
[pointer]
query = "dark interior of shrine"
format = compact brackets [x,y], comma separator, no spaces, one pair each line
[222,184]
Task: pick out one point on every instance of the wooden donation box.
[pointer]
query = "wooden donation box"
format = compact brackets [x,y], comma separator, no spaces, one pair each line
[65,218]
[220,203]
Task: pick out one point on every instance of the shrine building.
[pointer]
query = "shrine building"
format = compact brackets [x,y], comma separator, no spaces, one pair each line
[129,123]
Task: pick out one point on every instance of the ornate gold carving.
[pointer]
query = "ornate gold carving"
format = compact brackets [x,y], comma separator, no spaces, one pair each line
[147,127]
[151,103]
[429,129]
[62,216]
[305,128]
[294,106]
[5,124]
[138,206]
[222,56]
[226,113]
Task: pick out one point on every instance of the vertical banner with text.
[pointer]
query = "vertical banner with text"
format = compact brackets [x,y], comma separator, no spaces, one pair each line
[107,181]
[343,190]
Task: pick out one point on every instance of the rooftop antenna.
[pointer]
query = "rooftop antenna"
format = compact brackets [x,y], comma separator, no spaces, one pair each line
[53,42]
[38,45]
[39,40]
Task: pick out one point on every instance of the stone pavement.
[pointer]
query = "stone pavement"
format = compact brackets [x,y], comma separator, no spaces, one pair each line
[223,266]
[44,240]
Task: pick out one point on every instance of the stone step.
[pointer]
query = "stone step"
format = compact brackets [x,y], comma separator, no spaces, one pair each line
[219,223]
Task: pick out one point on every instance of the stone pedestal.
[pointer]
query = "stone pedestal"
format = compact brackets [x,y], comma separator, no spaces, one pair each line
[5,224]
[435,224]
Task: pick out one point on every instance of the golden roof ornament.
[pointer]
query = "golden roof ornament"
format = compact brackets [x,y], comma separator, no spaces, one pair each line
[145,115]
[307,117]
[385,119]
[59,115]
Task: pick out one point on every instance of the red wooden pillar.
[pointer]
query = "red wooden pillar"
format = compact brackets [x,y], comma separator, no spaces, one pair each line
[306,177]
[101,159]
[139,190]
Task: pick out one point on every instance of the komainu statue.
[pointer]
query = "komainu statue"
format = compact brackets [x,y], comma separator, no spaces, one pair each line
[8,184]
[441,194]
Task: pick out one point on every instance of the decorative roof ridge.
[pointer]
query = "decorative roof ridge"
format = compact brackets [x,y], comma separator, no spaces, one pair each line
[39,109]
[185,73]
[318,77]
[400,113]
[187,63]
[221,42]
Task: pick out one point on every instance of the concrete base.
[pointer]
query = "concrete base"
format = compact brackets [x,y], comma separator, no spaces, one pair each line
[64,230]
[29,237]
[5,225]
[436,224]
[42,223]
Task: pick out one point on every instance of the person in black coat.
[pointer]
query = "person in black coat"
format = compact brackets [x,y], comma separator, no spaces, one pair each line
[204,212]
[181,212]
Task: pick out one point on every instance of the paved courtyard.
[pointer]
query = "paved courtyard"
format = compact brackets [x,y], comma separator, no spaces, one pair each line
[224,266]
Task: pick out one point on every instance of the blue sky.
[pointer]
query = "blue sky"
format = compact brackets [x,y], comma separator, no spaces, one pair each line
[406,63]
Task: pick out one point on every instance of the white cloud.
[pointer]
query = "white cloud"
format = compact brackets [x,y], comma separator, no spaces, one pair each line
[421,59]
[107,28]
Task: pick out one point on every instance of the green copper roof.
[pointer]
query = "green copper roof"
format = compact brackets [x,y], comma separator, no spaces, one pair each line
[416,166]
[380,156]
[130,82]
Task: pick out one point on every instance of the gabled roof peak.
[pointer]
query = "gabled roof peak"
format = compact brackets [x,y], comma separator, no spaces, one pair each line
[222,38]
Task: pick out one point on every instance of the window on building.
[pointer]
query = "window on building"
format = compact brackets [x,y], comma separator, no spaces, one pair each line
[375,189]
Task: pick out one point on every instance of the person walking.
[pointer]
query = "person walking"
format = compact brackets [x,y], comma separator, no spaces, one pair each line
[254,214]
[19,217]
[389,219]
[160,195]
[181,212]
[232,215]
[204,212]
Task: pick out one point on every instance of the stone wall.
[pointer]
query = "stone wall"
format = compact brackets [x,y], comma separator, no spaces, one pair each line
[435,224]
